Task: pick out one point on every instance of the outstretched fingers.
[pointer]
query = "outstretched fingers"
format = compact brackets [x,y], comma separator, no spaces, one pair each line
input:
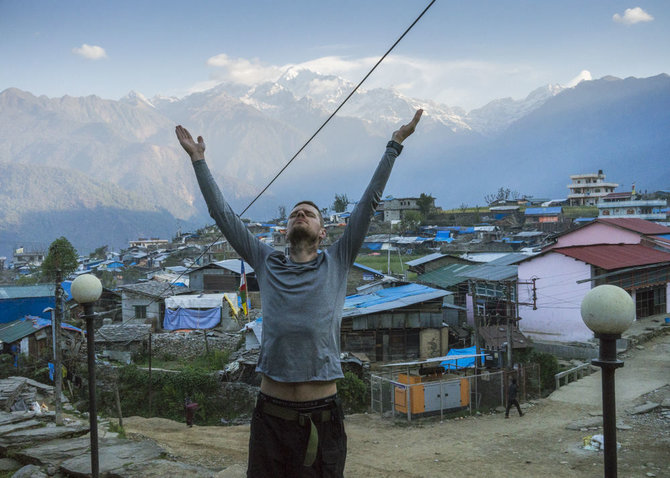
[405,130]
[417,116]
[182,133]
[195,150]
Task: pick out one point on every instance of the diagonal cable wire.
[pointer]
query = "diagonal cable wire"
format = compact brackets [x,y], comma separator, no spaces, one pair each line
[339,107]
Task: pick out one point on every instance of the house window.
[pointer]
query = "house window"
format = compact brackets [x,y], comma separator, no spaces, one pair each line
[140,311]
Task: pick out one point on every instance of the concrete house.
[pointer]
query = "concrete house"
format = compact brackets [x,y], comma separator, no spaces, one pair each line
[631,205]
[395,208]
[144,302]
[630,253]
[23,257]
[587,189]
[222,276]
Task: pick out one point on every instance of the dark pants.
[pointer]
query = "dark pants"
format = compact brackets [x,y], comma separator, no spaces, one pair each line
[513,401]
[190,409]
[277,446]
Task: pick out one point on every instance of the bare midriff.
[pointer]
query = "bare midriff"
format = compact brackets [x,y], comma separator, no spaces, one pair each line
[297,391]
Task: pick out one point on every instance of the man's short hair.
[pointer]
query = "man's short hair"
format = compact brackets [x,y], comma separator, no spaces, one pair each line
[313,205]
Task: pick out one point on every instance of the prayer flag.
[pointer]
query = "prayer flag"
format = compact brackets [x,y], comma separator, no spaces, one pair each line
[243,299]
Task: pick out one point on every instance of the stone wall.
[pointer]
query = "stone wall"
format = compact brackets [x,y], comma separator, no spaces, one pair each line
[190,345]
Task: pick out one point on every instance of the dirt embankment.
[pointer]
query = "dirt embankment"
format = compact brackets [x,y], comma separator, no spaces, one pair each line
[535,445]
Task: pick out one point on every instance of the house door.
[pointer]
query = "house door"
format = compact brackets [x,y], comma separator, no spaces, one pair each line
[381,342]
[650,301]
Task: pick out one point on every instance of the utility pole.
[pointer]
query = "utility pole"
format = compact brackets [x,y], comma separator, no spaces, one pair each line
[507,326]
[58,367]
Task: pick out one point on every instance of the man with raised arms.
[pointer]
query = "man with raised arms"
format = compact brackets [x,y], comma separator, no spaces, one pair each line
[297,427]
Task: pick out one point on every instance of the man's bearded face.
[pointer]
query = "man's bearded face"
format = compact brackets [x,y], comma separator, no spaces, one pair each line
[304,225]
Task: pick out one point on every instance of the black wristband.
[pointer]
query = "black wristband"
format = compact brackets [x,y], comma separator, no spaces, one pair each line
[395,145]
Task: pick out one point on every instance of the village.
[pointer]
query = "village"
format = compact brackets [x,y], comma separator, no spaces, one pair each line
[443,309]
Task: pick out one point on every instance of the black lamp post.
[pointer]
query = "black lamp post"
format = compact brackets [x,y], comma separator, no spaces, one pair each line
[86,289]
[608,311]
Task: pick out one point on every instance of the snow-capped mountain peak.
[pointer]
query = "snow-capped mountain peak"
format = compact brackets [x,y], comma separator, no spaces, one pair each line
[136,99]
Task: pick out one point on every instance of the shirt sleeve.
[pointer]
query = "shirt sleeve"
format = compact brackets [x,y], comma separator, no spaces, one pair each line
[347,246]
[232,227]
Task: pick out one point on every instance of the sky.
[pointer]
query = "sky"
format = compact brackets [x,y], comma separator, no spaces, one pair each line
[461,53]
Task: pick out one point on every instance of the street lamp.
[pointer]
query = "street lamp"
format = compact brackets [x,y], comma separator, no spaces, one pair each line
[86,289]
[608,311]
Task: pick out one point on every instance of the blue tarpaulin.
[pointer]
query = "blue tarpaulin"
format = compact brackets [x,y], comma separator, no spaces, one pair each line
[457,363]
[443,236]
[181,318]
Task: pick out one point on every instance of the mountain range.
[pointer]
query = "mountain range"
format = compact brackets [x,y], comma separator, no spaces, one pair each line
[102,172]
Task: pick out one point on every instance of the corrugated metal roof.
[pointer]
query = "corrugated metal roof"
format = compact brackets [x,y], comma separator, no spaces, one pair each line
[543,211]
[634,224]
[482,256]
[508,259]
[622,195]
[502,268]
[424,259]
[154,288]
[232,265]
[125,333]
[412,240]
[17,330]
[615,256]
[491,272]
[388,299]
[444,277]
[368,269]
[28,291]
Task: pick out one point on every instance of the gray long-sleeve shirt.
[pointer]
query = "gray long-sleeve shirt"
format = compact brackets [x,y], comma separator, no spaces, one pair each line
[301,302]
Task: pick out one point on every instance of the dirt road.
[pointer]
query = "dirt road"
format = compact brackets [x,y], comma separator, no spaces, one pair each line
[535,445]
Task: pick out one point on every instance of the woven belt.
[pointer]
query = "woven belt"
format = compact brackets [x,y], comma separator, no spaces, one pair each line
[292,415]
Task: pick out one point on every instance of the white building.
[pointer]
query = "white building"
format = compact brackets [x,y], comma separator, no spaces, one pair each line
[628,204]
[587,189]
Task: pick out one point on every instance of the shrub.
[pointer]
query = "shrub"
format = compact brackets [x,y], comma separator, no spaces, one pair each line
[353,393]
[548,367]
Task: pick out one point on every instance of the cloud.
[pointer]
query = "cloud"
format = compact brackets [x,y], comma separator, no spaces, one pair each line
[465,83]
[242,71]
[90,52]
[584,75]
[632,15]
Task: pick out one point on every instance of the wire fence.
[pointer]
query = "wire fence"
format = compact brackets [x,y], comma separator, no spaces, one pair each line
[404,394]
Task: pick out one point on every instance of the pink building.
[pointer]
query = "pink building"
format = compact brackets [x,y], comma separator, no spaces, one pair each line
[631,253]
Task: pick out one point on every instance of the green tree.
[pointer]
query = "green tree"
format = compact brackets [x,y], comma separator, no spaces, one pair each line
[503,194]
[61,256]
[426,203]
[108,280]
[99,253]
[410,221]
[341,202]
[282,213]
[31,279]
